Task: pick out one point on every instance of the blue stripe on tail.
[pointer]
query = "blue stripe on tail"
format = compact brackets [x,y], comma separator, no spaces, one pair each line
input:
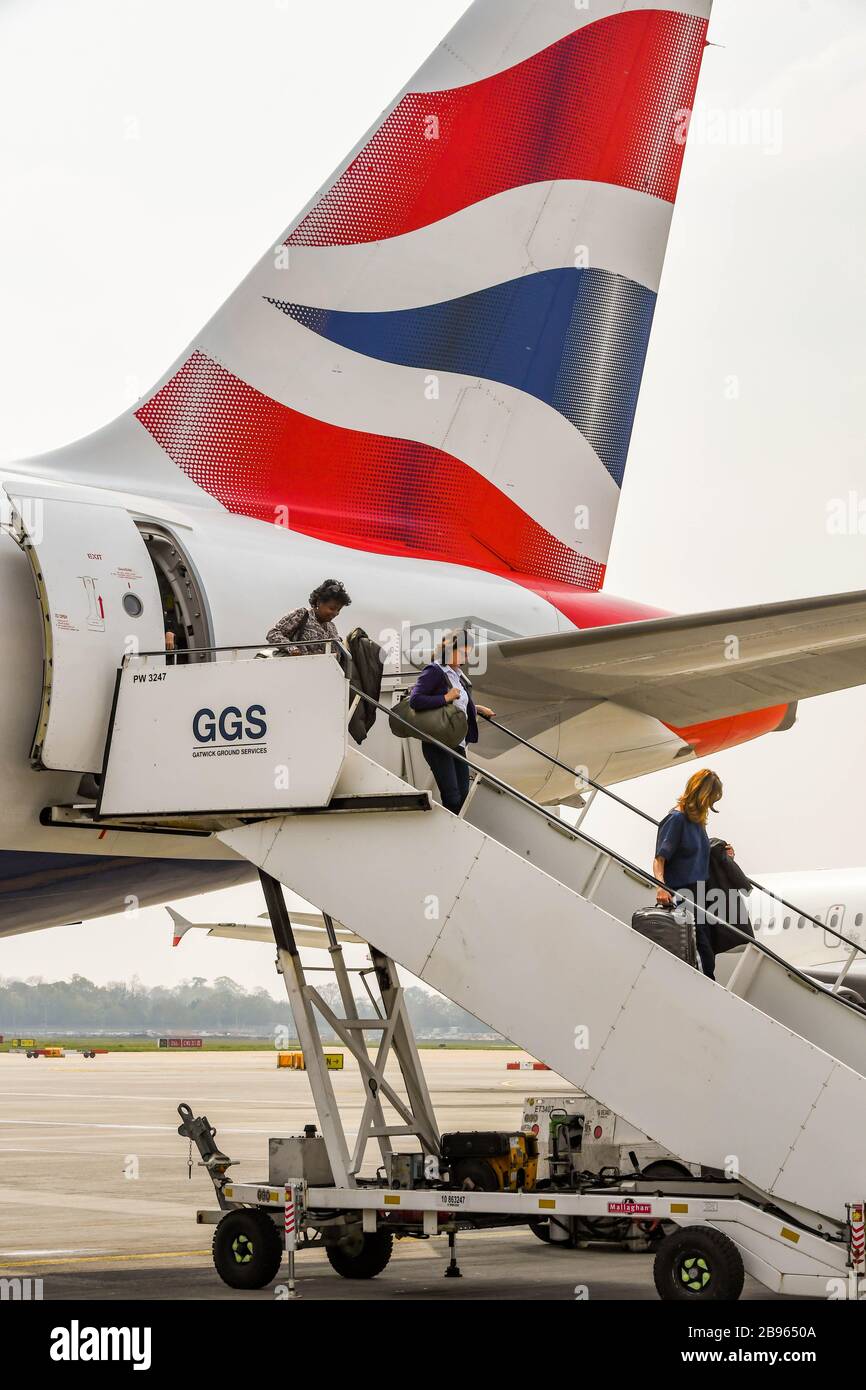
[575,339]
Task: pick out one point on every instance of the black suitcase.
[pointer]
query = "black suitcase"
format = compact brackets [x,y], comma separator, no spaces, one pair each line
[673,930]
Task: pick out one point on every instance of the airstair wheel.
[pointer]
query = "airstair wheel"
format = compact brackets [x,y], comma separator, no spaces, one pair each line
[364,1257]
[698,1264]
[247,1249]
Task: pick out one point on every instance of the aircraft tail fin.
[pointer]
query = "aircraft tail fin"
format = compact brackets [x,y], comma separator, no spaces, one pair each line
[441,357]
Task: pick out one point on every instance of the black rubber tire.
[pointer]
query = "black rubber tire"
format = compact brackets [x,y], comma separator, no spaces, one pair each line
[367,1262]
[698,1264]
[247,1249]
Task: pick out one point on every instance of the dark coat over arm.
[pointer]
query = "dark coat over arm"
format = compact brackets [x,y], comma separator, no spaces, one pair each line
[727,877]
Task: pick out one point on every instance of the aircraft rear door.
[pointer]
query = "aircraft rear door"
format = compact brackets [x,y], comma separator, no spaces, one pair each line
[99,600]
[835,920]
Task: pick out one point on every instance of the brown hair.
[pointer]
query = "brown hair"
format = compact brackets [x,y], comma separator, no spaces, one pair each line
[703,790]
[457,639]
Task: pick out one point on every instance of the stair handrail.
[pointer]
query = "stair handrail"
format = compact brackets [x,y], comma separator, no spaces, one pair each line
[563,826]
[275,649]
[645,815]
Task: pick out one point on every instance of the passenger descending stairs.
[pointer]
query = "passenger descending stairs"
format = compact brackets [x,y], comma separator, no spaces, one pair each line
[525,924]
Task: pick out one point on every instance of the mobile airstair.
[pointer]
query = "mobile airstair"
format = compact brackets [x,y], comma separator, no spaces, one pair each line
[524,921]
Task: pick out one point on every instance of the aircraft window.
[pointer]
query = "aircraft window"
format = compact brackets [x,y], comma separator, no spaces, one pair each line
[132,605]
[858,920]
[786,924]
[771,925]
[802,922]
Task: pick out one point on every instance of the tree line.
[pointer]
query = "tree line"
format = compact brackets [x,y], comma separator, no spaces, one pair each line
[36,1006]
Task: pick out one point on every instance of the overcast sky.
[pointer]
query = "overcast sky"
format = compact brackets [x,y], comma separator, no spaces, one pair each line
[151,150]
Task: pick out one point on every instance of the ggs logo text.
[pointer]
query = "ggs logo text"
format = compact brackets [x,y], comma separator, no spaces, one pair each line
[231,733]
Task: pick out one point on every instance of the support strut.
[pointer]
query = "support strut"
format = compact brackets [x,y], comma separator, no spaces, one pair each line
[391,1021]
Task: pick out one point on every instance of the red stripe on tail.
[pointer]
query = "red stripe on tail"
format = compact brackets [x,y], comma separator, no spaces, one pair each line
[365,491]
[605,104]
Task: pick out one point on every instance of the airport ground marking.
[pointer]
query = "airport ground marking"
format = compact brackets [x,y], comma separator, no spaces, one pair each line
[105,1259]
[411,1250]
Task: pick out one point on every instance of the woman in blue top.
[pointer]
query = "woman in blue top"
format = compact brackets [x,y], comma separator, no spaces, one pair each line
[443,683]
[682,859]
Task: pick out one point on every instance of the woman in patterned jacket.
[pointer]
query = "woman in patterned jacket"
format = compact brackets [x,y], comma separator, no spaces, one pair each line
[313,624]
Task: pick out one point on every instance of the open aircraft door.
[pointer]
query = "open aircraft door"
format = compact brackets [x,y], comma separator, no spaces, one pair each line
[99,600]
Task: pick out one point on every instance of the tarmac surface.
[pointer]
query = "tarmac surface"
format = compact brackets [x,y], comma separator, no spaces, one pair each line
[96,1200]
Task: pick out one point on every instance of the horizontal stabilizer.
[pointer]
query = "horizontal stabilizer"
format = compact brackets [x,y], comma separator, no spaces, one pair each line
[308,930]
[180,926]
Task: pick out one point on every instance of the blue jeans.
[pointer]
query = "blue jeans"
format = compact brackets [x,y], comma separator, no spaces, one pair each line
[703,929]
[451,774]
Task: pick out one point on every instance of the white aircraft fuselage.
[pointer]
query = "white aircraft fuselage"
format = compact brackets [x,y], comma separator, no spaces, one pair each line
[247,575]
[837,898]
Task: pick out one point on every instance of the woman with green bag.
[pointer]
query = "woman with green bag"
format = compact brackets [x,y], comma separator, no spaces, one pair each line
[441,685]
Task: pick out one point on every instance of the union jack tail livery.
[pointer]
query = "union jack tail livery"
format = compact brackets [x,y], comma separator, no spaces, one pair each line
[442,356]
